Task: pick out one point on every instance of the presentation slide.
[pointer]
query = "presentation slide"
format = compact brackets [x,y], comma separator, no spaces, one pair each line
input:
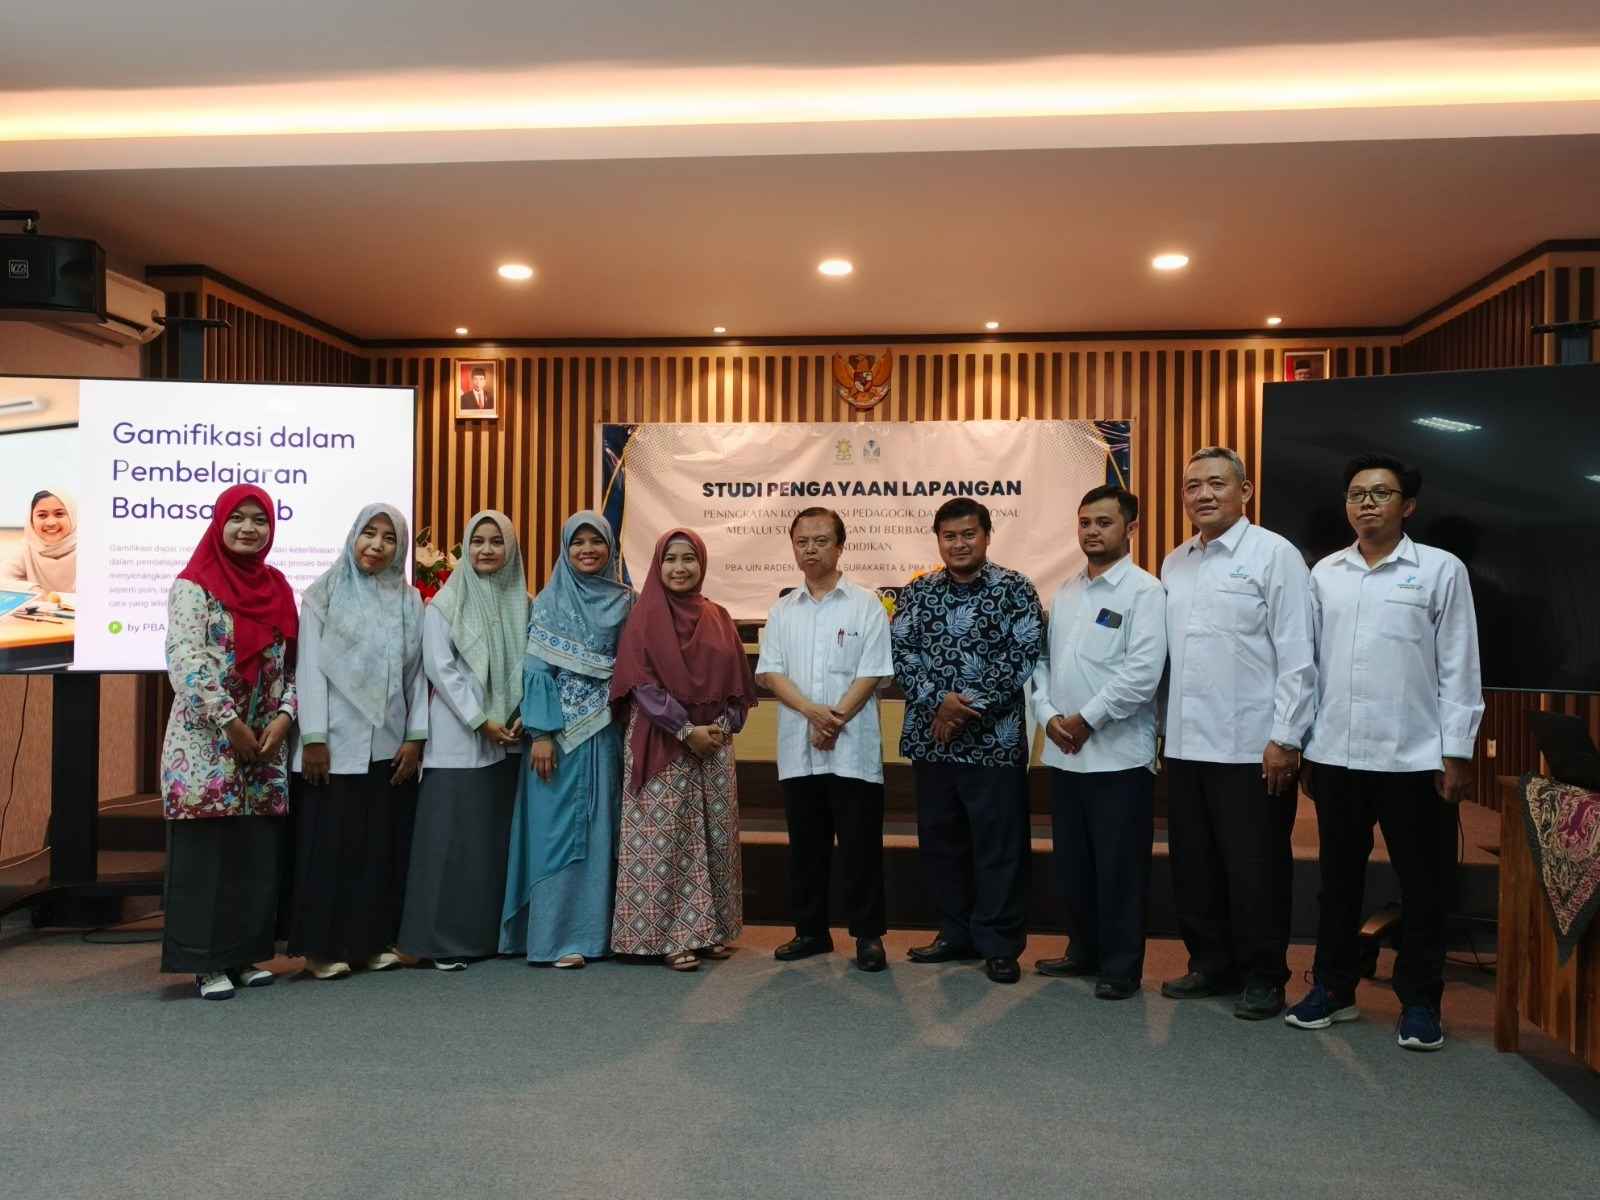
[141,467]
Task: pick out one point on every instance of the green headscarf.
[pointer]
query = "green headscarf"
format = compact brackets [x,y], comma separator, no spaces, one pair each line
[488,617]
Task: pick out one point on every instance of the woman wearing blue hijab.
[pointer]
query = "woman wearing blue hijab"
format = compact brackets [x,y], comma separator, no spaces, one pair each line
[560,882]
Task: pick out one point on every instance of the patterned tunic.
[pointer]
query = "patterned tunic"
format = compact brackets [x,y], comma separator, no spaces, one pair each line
[980,639]
[200,776]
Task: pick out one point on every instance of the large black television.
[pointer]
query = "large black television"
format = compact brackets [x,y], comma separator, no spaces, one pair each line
[1510,463]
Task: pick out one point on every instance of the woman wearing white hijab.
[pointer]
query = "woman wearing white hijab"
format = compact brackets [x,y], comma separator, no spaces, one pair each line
[473,639]
[47,560]
[363,720]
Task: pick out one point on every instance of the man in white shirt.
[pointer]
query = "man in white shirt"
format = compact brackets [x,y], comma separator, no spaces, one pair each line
[825,650]
[1399,700]
[1240,700]
[1094,692]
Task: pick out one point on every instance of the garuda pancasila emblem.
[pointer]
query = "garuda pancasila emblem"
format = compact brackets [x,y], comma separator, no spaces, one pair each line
[860,380]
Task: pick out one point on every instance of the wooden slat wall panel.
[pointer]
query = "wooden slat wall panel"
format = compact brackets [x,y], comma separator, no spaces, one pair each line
[537,461]
[1494,332]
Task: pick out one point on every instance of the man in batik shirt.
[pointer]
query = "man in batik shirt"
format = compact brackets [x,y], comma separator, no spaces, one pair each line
[965,642]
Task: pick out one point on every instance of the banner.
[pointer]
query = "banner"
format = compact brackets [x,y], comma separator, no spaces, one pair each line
[740,486]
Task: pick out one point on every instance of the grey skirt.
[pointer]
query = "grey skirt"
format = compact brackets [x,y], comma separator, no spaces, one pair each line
[456,885]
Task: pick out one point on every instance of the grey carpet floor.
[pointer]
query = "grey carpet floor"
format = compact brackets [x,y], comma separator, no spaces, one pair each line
[748,1078]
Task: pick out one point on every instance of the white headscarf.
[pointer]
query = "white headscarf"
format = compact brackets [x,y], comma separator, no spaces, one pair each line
[371,624]
[51,566]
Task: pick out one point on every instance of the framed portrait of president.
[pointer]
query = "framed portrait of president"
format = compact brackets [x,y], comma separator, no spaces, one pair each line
[477,389]
[1304,365]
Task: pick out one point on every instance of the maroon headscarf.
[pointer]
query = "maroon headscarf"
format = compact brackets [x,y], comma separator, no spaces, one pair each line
[257,596]
[686,644]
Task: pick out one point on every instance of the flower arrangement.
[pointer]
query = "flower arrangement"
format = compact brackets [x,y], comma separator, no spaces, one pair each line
[431,565]
[890,596]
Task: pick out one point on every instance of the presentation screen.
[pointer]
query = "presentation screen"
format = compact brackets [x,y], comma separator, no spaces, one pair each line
[1510,463]
[740,486]
[106,487]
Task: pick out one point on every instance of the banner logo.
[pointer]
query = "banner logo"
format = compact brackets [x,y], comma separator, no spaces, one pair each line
[861,381]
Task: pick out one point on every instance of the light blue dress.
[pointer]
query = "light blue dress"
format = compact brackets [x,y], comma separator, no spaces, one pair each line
[562,875]
[563,861]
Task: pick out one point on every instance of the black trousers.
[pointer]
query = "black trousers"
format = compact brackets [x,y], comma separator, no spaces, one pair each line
[1102,827]
[972,831]
[1232,869]
[1420,831]
[817,808]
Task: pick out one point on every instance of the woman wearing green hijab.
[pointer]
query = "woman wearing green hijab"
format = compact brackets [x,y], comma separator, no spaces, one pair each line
[473,639]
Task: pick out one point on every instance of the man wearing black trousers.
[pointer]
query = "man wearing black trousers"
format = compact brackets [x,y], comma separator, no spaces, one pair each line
[824,652]
[1399,700]
[1094,692]
[1240,699]
[965,643]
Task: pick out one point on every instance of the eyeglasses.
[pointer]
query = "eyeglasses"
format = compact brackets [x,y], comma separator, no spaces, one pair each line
[1380,495]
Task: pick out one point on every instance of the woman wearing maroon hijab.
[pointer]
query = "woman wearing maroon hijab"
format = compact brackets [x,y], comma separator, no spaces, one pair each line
[681,691]
[231,626]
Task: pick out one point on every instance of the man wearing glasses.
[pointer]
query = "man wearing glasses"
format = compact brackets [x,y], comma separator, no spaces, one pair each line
[1398,706]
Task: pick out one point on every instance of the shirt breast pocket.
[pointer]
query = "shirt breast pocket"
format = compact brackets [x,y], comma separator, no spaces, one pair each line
[1407,616]
[1239,607]
[1100,644]
[844,654]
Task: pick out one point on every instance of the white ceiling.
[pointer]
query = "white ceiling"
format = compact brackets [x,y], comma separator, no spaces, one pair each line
[1389,175]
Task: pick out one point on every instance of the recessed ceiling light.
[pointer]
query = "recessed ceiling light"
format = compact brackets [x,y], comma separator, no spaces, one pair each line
[991,324]
[720,329]
[1445,425]
[1274,320]
[516,271]
[835,266]
[1169,262]
[461,329]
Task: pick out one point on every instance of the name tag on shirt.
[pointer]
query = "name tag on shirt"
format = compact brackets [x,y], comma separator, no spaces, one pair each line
[1111,620]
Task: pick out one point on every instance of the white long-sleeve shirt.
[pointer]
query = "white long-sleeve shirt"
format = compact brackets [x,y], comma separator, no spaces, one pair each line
[1398,685]
[457,706]
[1106,648]
[1239,635]
[327,716]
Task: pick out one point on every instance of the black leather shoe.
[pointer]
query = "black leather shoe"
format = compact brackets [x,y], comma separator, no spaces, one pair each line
[870,955]
[799,947]
[1258,1003]
[1064,968]
[1002,970]
[1197,985]
[941,951]
[1116,989]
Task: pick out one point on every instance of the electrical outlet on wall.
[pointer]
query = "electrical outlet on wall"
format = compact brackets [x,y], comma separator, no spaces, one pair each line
[1490,749]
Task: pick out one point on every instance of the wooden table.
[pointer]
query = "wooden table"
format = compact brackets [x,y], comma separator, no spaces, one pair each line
[1563,1001]
[29,644]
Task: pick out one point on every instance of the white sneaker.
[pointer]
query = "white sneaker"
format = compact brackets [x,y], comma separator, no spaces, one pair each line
[214,985]
[327,970]
[382,962]
[450,964]
[252,976]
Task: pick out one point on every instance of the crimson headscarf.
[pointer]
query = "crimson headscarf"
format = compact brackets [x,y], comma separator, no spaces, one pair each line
[257,596]
[686,644]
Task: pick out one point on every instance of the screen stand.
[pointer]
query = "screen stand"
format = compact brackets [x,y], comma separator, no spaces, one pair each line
[75,893]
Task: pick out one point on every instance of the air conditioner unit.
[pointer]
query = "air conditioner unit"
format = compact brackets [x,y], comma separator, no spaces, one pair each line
[131,311]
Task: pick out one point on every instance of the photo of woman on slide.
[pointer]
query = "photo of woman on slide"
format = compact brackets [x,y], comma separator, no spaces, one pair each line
[47,561]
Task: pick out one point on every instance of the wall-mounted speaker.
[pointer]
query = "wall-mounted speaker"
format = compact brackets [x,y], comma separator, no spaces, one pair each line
[51,279]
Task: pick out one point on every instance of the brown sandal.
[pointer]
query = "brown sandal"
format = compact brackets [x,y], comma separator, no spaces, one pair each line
[716,950]
[681,960]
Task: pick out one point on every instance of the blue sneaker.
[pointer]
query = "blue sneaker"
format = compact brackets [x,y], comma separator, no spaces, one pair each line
[1420,1028]
[1321,1008]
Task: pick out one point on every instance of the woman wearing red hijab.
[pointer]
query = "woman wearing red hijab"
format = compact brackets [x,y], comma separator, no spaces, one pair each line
[681,691]
[231,628]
